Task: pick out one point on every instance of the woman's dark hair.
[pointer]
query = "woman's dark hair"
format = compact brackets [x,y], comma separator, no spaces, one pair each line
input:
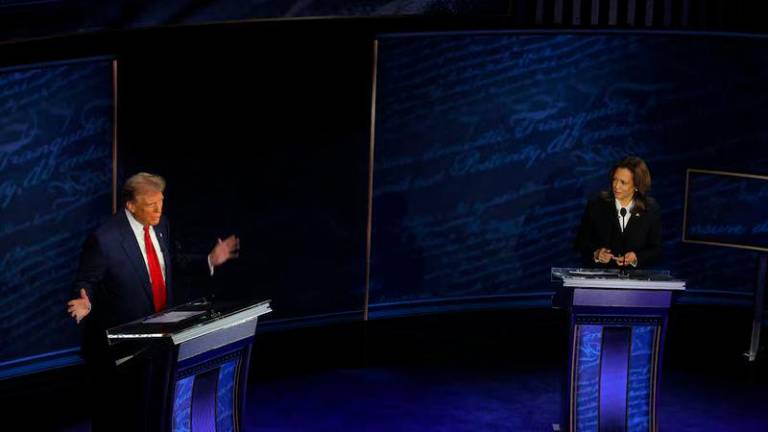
[641,177]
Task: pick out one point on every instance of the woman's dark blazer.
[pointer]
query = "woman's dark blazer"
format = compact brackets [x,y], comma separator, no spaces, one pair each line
[600,229]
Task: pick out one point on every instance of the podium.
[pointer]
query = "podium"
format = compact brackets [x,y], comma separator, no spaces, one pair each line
[196,356]
[617,323]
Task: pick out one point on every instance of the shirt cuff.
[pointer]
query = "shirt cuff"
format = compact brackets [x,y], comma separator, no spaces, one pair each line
[210,265]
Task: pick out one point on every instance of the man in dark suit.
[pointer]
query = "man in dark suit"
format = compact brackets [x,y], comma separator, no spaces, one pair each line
[126,273]
[622,228]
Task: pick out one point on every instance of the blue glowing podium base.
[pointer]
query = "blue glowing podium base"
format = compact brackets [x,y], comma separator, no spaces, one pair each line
[196,359]
[617,323]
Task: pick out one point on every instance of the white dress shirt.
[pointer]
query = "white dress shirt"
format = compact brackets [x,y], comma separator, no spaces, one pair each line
[623,223]
[138,231]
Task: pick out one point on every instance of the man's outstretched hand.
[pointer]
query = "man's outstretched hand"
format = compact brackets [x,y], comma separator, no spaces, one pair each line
[79,307]
[225,250]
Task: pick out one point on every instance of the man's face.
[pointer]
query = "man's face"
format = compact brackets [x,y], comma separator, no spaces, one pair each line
[146,206]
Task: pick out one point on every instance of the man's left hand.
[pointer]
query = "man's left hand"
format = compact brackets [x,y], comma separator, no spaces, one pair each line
[224,250]
[79,308]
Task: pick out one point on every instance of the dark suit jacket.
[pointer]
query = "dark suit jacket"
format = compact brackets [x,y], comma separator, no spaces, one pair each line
[113,272]
[600,229]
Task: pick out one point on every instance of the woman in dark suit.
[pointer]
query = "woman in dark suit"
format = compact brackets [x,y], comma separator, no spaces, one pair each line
[622,228]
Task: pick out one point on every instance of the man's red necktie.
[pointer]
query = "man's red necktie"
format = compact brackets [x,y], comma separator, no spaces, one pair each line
[155,274]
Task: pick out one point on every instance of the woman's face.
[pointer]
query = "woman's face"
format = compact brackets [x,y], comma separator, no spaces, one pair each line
[623,184]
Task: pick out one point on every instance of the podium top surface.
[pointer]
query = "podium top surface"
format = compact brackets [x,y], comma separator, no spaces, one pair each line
[617,279]
[189,321]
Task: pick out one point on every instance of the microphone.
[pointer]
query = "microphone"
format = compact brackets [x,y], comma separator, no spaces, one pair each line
[623,213]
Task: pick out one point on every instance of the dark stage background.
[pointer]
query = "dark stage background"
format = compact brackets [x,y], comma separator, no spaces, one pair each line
[487,147]
[263,134]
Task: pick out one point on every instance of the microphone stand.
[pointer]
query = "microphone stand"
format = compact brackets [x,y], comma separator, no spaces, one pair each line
[623,213]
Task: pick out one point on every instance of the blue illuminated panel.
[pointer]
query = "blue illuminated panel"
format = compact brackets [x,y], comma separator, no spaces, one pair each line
[182,404]
[206,398]
[592,378]
[589,340]
[640,378]
[614,372]
[225,397]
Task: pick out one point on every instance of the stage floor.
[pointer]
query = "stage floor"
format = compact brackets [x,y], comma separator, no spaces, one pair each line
[484,371]
[449,399]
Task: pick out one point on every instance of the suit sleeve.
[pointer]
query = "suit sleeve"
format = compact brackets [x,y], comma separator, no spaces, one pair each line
[585,238]
[652,250]
[92,268]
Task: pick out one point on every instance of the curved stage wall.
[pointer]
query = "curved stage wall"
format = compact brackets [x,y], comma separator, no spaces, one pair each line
[489,145]
[486,149]
[56,133]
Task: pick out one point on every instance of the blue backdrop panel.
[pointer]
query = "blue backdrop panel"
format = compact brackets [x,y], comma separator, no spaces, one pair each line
[727,209]
[487,147]
[55,187]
